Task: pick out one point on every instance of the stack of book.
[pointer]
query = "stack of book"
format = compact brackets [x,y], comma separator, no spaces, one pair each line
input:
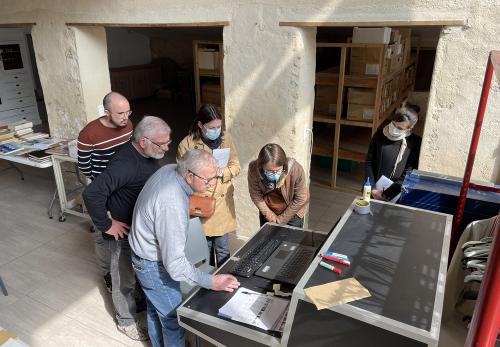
[33,136]
[21,128]
[6,135]
[39,156]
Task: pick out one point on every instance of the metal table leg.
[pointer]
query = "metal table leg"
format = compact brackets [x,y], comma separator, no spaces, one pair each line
[51,204]
[15,167]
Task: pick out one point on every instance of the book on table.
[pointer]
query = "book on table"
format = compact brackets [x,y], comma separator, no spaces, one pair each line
[39,156]
[22,132]
[20,125]
[34,136]
[10,148]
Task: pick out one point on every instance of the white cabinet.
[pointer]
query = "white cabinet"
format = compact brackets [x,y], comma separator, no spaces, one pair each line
[17,93]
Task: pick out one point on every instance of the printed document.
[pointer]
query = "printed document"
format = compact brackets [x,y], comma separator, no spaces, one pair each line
[383,183]
[260,310]
[222,156]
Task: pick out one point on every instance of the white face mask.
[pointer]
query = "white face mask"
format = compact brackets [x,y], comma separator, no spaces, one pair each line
[396,132]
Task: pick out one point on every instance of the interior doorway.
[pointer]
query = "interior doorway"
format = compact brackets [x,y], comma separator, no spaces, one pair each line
[167,72]
[358,88]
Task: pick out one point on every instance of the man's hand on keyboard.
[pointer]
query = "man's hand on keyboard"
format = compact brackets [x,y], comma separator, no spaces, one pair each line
[227,283]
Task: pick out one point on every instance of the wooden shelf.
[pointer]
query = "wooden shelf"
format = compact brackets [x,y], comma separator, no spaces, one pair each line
[356,123]
[209,73]
[324,118]
[322,151]
[345,138]
[360,81]
[201,93]
[351,155]
[412,61]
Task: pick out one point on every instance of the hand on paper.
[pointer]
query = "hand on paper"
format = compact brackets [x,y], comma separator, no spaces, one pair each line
[118,229]
[226,283]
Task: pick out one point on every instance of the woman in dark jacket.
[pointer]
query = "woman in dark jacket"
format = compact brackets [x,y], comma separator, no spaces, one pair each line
[394,149]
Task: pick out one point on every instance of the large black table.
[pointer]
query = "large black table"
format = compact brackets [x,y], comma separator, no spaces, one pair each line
[398,253]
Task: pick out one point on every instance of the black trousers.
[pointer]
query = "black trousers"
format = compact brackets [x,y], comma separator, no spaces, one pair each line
[296,221]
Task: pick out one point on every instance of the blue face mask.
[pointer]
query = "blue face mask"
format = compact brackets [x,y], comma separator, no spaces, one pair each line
[272,176]
[213,134]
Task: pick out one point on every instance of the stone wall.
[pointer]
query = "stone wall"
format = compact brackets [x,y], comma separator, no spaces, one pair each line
[269,70]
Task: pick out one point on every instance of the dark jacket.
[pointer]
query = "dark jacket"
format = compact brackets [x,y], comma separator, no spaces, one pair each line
[116,189]
[382,155]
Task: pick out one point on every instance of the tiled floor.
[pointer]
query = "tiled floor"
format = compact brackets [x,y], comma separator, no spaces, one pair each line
[56,296]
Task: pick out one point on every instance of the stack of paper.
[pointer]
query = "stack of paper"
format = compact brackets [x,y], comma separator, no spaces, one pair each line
[260,310]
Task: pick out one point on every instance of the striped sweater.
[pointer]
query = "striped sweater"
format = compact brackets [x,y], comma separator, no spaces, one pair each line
[97,144]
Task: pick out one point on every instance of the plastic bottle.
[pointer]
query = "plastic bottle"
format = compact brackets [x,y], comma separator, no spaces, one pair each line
[367,190]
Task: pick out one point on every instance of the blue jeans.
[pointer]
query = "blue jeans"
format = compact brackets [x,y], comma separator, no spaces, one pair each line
[221,245]
[163,296]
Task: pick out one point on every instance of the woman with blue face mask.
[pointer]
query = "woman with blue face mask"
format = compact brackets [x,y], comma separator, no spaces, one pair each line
[277,186]
[394,150]
[206,134]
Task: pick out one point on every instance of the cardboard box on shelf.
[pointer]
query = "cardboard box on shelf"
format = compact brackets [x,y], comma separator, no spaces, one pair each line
[406,51]
[360,112]
[405,32]
[210,93]
[365,60]
[371,35]
[208,59]
[396,63]
[326,99]
[329,76]
[361,96]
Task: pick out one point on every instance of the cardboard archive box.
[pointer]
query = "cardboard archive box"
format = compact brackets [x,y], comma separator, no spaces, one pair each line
[371,35]
[365,61]
[326,99]
[208,59]
[210,93]
[360,112]
[361,104]
[362,96]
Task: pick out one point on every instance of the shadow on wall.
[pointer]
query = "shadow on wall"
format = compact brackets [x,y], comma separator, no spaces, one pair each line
[269,77]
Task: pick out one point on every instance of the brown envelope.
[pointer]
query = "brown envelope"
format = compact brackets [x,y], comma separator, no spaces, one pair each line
[335,293]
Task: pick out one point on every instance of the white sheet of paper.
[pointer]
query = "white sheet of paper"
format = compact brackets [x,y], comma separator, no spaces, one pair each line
[222,156]
[383,183]
[260,310]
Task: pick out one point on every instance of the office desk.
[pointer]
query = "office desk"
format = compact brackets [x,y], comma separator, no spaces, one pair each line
[399,254]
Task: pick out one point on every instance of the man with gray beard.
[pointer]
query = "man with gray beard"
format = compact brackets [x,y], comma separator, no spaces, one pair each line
[110,200]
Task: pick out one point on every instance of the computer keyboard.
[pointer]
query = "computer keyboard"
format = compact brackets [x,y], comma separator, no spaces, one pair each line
[255,257]
[294,266]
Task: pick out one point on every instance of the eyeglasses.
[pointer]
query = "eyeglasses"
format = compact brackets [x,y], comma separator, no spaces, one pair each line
[207,181]
[279,171]
[124,113]
[160,145]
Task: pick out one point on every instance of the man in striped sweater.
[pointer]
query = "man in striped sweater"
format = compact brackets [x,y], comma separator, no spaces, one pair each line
[97,144]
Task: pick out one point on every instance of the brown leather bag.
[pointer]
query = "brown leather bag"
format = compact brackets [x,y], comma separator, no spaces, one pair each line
[202,206]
